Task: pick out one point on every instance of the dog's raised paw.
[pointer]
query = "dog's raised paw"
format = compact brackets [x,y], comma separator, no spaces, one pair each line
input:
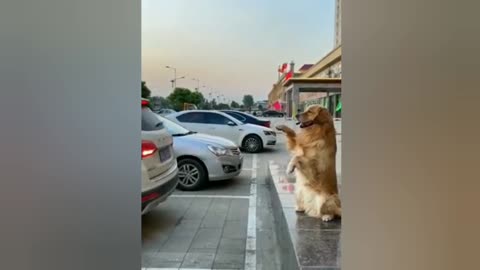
[327,218]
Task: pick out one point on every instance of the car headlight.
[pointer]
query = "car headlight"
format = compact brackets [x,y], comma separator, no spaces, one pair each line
[218,151]
[267,133]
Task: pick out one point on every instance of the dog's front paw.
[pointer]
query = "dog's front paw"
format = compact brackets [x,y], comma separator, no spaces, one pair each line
[327,218]
[299,209]
[290,169]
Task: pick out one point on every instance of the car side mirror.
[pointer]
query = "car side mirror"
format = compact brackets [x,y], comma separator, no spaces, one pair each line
[230,123]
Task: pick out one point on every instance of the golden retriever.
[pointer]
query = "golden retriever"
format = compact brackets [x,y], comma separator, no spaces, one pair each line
[314,149]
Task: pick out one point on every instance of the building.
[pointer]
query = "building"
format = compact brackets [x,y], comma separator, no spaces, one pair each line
[319,83]
[338,23]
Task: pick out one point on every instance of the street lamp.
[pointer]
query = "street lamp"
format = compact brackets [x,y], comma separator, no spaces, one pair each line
[174,81]
[198,83]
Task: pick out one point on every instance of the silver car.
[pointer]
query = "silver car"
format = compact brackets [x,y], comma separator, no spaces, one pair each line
[202,158]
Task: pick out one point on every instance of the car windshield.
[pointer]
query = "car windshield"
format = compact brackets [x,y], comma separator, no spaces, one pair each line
[173,128]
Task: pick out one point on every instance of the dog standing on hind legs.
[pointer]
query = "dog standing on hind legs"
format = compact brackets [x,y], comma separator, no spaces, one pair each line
[314,150]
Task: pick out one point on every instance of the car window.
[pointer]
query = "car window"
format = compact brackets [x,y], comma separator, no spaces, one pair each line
[172,128]
[247,116]
[192,117]
[216,119]
[150,121]
[237,116]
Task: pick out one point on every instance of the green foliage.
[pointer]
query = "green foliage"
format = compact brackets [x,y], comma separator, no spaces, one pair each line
[158,103]
[180,96]
[234,105]
[145,90]
[222,106]
[248,101]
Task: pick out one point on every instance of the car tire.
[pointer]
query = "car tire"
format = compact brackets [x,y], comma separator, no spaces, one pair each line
[252,143]
[192,174]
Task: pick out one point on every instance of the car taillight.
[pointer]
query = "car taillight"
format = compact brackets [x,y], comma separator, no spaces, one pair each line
[148,149]
[145,103]
[150,197]
[267,124]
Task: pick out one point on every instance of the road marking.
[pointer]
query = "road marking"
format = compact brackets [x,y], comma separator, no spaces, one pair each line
[251,243]
[210,196]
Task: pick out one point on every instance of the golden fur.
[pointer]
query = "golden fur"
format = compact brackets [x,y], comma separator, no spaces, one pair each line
[314,149]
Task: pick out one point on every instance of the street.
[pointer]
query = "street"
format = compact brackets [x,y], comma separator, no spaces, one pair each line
[228,225]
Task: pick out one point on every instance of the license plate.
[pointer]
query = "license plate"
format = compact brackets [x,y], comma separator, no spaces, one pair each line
[165,154]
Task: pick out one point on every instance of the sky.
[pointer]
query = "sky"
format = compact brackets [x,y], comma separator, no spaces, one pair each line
[233,47]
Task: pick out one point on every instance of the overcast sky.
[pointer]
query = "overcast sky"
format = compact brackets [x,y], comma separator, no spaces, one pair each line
[232,46]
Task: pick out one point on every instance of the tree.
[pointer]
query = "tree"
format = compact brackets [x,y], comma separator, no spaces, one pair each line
[180,96]
[145,91]
[160,103]
[234,105]
[222,106]
[248,101]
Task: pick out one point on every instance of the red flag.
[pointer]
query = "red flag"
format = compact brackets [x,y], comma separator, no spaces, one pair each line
[288,76]
[284,67]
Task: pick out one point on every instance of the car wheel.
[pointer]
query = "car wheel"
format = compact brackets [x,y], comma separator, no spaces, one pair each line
[252,144]
[191,175]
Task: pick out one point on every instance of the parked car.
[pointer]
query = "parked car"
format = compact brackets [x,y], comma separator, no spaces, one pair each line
[202,158]
[247,118]
[272,113]
[251,138]
[159,165]
[165,112]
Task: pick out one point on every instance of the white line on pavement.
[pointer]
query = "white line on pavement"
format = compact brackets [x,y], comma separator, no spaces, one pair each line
[251,243]
[210,196]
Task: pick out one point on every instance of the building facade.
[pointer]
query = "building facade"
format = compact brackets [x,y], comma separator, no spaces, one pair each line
[312,84]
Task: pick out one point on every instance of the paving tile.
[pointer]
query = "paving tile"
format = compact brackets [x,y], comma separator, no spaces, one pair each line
[220,206]
[177,244]
[188,224]
[207,238]
[229,261]
[198,208]
[214,220]
[238,210]
[317,248]
[228,245]
[198,260]
[167,259]
[202,250]
[235,230]
[155,243]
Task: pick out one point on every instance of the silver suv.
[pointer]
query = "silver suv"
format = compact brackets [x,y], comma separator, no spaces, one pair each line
[159,164]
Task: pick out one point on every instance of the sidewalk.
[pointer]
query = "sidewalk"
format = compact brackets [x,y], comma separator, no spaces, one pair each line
[307,243]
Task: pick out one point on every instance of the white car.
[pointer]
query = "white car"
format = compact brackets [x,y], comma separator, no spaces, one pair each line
[159,164]
[252,138]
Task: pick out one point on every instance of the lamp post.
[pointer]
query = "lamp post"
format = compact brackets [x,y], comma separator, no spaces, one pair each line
[174,81]
[198,83]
